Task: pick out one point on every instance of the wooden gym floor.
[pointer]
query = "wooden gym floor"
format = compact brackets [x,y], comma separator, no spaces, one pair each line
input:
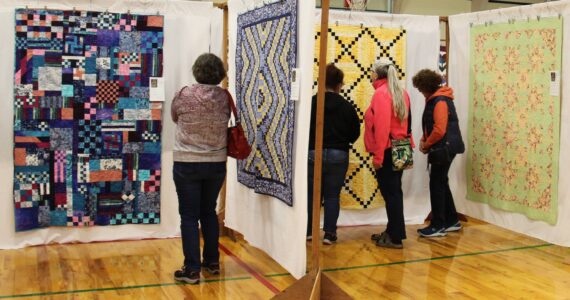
[481,262]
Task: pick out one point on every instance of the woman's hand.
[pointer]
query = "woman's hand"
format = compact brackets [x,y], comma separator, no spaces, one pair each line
[422,148]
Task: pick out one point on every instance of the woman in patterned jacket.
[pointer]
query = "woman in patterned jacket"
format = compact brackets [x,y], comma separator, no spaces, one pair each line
[386,119]
[201,113]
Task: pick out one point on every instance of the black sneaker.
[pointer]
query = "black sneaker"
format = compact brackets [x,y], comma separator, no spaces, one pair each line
[386,241]
[329,238]
[432,232]
[212,268]
[377,236]
[455,227]
[184,275]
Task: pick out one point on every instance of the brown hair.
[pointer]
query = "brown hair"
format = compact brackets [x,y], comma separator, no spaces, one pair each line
[427,81]
[209,69]
[335,76]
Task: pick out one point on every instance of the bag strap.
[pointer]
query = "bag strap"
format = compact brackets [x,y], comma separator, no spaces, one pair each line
[410,120]
[232,105]
[180,92]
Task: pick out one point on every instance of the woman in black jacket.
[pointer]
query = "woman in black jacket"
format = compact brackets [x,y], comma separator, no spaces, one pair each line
[441,141]
[341,128]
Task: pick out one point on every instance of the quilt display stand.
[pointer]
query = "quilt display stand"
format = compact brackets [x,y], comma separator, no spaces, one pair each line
[316,285]
[224,231]
[445,20]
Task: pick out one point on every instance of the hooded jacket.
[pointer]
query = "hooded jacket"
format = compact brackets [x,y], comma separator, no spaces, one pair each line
[440,123]
[341,123]
[381,123]
[201,113]
[440,117]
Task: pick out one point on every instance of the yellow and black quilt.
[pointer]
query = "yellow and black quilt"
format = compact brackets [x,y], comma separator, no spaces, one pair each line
[354,49]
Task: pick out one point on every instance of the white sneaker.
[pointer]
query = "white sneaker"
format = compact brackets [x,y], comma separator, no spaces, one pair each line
[455,227]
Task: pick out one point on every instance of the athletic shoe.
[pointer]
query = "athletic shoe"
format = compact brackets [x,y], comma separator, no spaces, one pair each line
[309,238]
[385,241]
[184,275]
[432,232]
[455,227]
[212,268]
[329,239]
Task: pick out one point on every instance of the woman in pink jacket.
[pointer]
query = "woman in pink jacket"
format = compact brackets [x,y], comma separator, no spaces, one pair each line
[386,119]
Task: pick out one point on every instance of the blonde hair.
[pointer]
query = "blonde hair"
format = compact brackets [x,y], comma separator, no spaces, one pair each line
[388,71]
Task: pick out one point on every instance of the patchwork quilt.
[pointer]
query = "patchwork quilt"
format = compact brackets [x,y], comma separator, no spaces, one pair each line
[87,140]
[354,49]
[514,117]
[265,57]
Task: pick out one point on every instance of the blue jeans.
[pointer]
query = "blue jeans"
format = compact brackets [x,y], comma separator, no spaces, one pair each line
[198,186]
[335,165]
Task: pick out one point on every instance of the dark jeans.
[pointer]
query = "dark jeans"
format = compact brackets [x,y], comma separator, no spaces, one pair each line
[442,206]
[198,186]
[335,165]
[390,183]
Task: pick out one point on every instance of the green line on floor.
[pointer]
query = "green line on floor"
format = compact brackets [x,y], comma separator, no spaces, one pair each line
[422,259]
[437,258]
[277,275]
[121,288]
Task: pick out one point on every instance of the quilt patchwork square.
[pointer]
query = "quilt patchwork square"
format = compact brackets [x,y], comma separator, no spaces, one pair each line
[49,78]
[107,91]
[82,130]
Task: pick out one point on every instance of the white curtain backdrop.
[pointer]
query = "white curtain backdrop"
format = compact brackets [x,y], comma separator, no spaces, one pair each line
[266,222]
[422,51]
[217,32]
[181,47]
[459,79]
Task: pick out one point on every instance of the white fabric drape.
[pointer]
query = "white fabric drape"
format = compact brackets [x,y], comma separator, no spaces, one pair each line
[217,32]
[181,47]
[422,51]
[265,222]
[459,80]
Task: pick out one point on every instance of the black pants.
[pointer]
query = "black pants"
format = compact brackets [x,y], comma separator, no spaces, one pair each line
[442,206]
[198,186]
[390,183]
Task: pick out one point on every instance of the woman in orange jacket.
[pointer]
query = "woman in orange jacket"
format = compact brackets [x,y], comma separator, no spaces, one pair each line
[386,119]
[442,141]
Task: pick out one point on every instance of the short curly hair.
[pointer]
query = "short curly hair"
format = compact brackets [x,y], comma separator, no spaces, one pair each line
[427,81]
[209,69]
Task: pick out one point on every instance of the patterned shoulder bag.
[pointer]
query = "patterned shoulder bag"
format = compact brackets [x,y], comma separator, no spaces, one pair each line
[402,152]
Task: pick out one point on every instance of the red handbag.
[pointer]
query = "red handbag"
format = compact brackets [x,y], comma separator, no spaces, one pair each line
[238,146]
